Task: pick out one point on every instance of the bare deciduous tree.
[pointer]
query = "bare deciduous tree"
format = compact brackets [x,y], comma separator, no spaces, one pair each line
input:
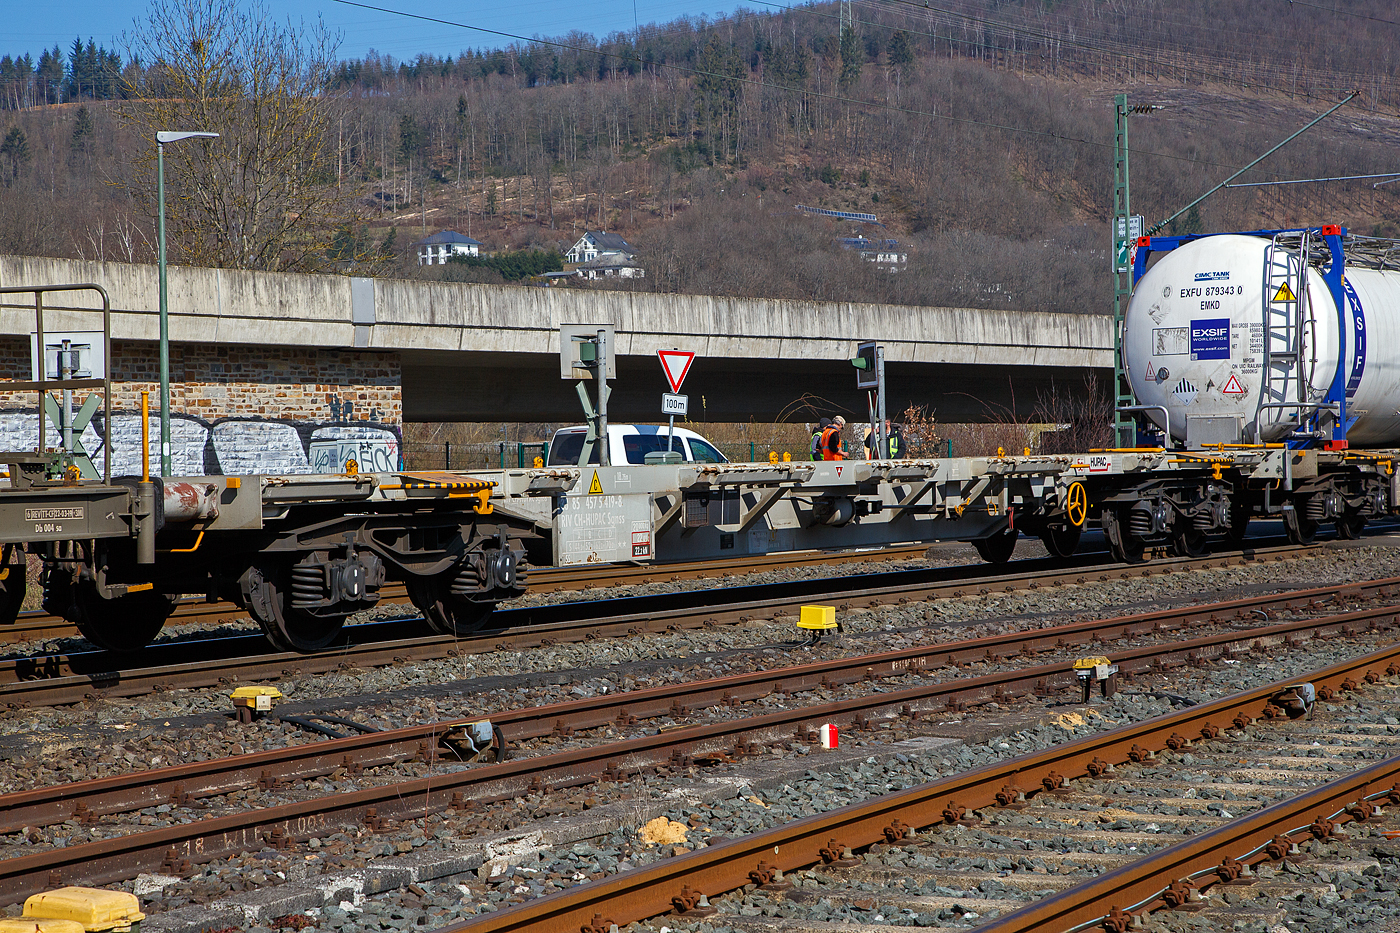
[263,195]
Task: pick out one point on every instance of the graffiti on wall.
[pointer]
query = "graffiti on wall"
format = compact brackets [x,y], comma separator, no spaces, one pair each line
[331,448]
[231,446]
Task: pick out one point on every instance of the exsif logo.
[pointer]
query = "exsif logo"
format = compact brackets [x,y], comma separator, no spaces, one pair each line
[1210,339]
[1212,276]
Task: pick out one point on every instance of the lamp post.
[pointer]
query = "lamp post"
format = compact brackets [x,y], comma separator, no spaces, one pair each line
[1125,234]
[163,137]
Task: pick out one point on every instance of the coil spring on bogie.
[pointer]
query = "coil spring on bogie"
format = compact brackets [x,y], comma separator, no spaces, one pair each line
[1203,521]
[308,585]
[1316,509]
[1139,523]
[468,580]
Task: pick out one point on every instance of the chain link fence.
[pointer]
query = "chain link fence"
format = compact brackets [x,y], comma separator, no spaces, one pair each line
[507,455]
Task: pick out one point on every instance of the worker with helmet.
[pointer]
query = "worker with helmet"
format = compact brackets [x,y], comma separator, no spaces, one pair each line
[832,446]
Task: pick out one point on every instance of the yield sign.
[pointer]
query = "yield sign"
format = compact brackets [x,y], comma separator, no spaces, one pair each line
[676,364]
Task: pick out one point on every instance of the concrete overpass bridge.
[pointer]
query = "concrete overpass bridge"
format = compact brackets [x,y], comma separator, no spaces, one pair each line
[336,348]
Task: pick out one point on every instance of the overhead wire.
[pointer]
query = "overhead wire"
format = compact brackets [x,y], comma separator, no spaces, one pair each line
[1341,12]
[1010,29]
[1158,19]
[1102,46]
[751,82]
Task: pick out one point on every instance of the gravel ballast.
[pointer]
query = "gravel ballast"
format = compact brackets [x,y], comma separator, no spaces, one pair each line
[450,866]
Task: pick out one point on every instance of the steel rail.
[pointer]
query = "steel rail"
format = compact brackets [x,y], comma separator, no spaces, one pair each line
[524,618]
[550,579]
[64,679]
[825,838]
[182,783]
[175,847]
[36,624]
[1146,883]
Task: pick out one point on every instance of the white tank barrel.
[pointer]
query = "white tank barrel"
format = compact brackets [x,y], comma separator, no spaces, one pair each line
[190,502]
[1222,333]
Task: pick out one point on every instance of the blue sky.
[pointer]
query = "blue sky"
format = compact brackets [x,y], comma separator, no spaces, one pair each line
[31,27]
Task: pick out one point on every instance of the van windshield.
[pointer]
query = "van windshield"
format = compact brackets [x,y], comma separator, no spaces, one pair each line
[566,448]
[637,446]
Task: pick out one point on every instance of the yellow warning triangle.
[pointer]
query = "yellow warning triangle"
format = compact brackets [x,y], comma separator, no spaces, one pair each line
[595,487]
[1284,293]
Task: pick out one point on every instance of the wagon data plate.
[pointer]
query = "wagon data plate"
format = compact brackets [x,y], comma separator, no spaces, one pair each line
[602,528]
[51,514]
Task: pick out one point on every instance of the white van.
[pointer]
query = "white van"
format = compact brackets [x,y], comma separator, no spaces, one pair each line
[631,443]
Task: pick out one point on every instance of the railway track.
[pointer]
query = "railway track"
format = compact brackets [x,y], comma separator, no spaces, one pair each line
[675,745]
[36,624]
[905,844]
[204,779]
[72,678]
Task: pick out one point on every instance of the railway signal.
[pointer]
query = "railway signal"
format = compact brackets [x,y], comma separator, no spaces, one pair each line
[869,362]
[586,354]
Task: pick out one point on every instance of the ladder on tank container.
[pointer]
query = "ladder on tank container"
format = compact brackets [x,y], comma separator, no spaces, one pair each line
[1285,298]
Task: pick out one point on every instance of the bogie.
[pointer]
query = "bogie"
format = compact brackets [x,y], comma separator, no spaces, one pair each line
[122,623]
[997,548]
[13,582]
[302,554]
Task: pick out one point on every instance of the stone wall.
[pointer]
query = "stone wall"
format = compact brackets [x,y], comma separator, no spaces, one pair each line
[235,408]
[233,447]
[235,381]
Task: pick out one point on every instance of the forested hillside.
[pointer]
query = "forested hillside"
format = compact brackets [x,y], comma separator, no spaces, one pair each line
[980,132]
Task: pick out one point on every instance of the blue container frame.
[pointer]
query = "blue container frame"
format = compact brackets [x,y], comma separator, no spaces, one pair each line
[1335,277]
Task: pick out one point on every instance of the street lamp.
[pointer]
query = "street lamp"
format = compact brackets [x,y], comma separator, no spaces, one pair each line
[1125,233]
[163,137]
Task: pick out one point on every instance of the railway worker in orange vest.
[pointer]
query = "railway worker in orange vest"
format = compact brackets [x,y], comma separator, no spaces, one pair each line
[832,448]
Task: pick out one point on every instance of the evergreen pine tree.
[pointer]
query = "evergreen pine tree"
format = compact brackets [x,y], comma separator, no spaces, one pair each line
[82,129]
[410,137]
[342,248]
[852,58]
[901,51]
[50,76]
[1192,222]
[14,155]
[78,80]
[80,145]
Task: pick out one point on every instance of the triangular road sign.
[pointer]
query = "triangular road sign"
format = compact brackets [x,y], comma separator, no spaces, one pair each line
[676,364]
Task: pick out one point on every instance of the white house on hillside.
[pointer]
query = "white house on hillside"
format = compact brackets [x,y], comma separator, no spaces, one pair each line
[884,253]
[610,265]
[440,247]
[595,243]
